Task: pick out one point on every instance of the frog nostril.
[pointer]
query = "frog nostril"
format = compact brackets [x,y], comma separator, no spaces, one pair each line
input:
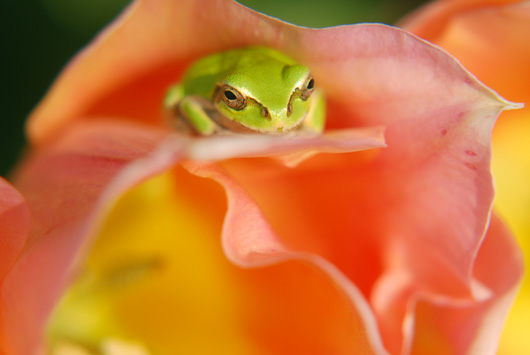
[265,112]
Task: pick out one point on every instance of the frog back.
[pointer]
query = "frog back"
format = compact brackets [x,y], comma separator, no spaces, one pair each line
[203,76]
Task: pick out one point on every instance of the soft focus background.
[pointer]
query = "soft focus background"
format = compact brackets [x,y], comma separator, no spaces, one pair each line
[40,36]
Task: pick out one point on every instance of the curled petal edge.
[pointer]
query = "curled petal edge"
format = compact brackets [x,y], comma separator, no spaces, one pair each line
[291,149]
[249,241]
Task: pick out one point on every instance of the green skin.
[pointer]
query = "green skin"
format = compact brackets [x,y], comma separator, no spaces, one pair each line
[267,93]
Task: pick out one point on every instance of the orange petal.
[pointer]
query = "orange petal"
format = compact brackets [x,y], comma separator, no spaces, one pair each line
[428,22]
[498,33]
[249,241]
[295,308]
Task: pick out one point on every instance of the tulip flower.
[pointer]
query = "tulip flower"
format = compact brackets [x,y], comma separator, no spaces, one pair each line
[375,237]
[499,32]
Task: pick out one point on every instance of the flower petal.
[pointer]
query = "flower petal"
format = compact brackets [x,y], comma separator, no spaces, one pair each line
[247,238]
[438,130]
[15,221]
[431,20]
[67,201]
[500,33]
[292,149]
[298,309]
[432,318]
[499,267]
[249,241]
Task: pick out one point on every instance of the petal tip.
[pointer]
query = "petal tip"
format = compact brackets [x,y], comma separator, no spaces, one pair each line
[509,105]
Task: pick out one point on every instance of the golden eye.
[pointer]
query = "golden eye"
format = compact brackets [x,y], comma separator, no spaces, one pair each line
[233,98]
[308,88]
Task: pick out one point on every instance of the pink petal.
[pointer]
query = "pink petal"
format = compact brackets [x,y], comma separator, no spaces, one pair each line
[438,120]
[247,238]
[67,201]
[499,267]
[15,222]
[500,33]
[292,149]
[431,319]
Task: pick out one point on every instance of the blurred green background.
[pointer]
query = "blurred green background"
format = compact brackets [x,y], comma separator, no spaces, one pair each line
[40,36]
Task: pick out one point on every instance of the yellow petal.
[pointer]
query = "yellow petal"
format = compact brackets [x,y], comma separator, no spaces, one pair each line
[155,278]
[511,167]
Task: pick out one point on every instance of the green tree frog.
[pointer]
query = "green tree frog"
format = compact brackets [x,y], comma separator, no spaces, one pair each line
[246,90]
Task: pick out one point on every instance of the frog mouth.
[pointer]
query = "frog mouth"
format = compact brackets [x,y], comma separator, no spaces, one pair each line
[226,125]
[237,127]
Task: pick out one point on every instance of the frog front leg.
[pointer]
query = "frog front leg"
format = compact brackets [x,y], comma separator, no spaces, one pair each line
[190,112]
[315,119]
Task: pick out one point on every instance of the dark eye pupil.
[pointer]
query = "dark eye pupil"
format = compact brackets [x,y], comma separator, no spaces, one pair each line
[230,95]
[310,84]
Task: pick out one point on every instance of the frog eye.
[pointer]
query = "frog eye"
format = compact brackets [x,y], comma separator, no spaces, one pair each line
[308,88]
[233,98]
